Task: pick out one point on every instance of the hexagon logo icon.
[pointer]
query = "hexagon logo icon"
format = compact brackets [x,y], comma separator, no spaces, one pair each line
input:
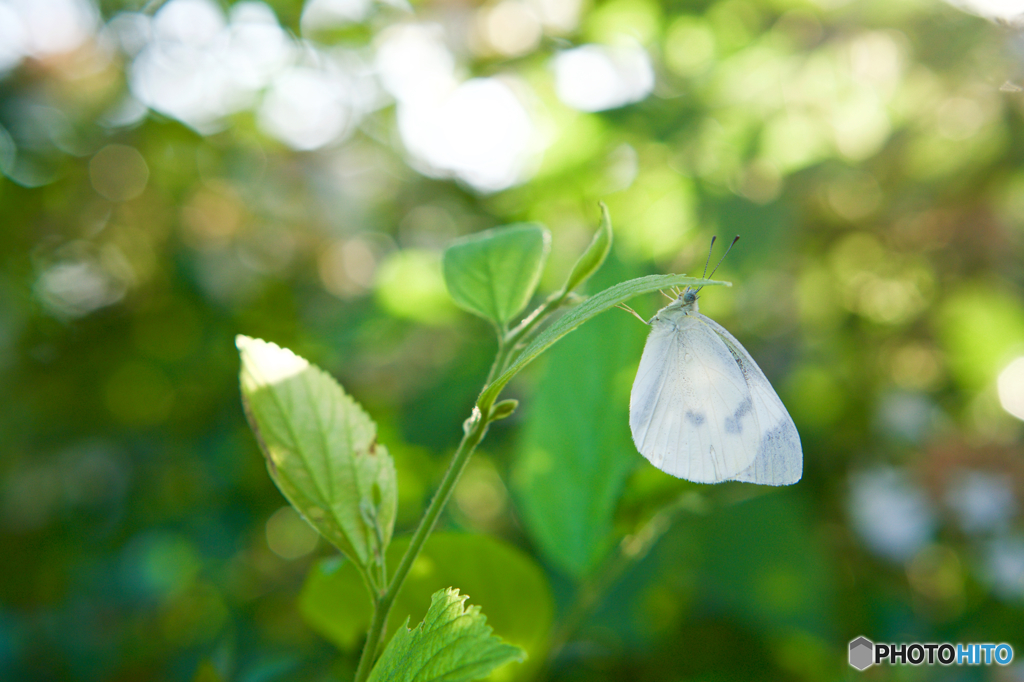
[862,652]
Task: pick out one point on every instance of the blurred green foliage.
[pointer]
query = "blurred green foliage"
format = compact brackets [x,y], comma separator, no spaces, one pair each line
[869,153]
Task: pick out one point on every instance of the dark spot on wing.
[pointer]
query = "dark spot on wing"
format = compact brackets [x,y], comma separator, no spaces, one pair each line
[695,418]
[734,424]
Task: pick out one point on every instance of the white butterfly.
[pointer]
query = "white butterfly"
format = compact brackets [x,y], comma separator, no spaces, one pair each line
[701,408]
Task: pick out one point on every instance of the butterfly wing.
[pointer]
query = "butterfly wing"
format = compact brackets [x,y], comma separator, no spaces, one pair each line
[691,409]
[779,459]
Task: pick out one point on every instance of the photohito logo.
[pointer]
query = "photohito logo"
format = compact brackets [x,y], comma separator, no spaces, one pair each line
[865,653]
[861,653]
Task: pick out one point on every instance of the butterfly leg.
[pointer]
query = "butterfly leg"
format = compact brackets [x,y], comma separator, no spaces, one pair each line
[632,312]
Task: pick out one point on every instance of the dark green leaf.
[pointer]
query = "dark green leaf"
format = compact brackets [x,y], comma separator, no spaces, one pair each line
[576,451]
[321,448]
[494,273]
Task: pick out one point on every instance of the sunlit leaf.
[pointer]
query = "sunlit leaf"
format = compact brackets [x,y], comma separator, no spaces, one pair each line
[595,305]
[452,644]
[510,586]
[494,273]
[321,448]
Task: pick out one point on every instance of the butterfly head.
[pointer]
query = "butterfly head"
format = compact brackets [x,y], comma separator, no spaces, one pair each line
[687,301]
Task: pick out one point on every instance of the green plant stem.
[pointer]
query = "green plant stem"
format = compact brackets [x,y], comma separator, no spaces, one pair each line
[382,606]
[500,360]
[368,579]
[508,341]
[549,306]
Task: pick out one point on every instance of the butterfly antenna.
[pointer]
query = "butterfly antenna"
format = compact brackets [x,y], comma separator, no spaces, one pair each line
[734,240]
[632,312]
[710,249]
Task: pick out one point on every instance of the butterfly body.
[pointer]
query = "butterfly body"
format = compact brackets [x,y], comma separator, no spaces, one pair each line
[701,408]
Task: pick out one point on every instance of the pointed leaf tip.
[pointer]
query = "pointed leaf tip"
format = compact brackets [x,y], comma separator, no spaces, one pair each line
[595,254]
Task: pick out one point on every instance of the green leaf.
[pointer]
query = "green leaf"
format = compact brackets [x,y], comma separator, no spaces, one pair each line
[452,644]
[494,273]
[595,305]
[594,256]
[509,584]
[576,452]
[321,449]
[504,409]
